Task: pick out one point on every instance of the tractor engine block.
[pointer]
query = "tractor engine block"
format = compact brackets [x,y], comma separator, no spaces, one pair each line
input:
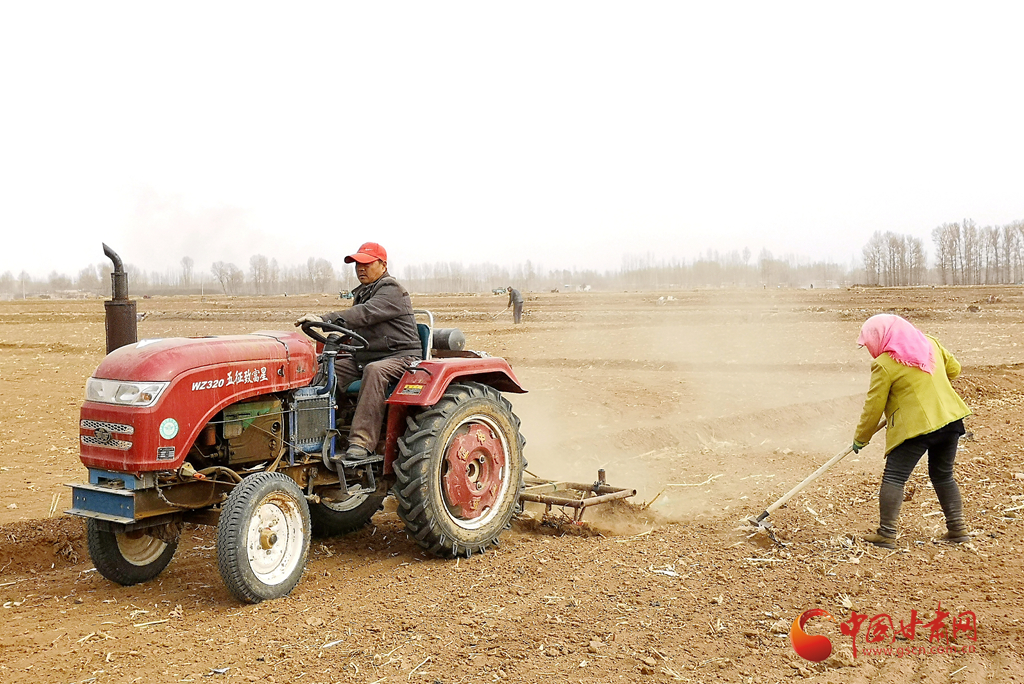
[253,431]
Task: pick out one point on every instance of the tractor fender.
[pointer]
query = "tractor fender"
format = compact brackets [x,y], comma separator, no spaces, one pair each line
[425,382]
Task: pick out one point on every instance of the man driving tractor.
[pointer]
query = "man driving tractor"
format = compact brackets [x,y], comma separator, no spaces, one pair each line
[382,313]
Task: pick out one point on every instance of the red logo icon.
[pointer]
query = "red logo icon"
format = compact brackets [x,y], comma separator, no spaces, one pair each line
[813,647]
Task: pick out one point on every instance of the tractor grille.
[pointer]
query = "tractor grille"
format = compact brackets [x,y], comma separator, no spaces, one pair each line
[312,420]
[107,442]
[109,427]
[103,435]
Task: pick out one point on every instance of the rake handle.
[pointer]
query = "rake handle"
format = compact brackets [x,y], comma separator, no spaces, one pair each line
[807,480]
[810,478]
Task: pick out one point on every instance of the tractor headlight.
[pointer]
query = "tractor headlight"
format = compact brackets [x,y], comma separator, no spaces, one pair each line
[124,393]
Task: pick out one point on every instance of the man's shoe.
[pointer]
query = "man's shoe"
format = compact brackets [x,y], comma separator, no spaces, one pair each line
[880,540]
[353,456]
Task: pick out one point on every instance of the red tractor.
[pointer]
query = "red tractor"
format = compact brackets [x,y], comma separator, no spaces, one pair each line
[238,432]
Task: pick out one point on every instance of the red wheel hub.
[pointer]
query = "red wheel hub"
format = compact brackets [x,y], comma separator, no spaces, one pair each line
[476,462]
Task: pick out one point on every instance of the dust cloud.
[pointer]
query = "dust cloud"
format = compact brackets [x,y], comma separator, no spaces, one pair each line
[706,403]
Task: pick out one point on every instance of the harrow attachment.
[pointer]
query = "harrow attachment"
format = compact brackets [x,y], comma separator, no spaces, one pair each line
[572,495]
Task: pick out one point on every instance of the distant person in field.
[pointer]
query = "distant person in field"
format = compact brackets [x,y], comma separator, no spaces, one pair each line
[382,313]
[910,384]
[515,300]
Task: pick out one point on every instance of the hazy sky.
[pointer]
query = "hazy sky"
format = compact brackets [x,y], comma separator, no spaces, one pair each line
[568,133]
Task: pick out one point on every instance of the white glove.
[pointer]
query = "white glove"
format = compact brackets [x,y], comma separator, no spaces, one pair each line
[308,318]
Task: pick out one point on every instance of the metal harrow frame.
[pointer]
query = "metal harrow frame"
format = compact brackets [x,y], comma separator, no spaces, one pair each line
[572,494]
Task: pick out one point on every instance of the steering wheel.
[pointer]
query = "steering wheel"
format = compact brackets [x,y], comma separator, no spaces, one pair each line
[308,327]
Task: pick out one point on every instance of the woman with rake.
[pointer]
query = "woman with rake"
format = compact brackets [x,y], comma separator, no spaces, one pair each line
[910,383]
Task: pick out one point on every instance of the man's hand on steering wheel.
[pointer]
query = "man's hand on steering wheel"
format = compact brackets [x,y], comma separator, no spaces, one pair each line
[308,318]
[310,323]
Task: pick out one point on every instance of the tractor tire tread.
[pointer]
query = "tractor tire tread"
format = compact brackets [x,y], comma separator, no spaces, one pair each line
[412,465]
[106,555]
[327,522]
[232,525]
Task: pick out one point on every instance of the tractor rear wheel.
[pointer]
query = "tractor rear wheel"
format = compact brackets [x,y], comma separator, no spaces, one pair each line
[263,537]
[334,518]
[127,557]
[459,471]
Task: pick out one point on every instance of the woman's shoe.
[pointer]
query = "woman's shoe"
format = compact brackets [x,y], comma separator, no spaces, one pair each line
[957,536]
[880,540]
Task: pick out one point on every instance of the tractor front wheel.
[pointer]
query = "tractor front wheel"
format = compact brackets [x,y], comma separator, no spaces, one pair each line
[263,537]
[459,471]
[127,557]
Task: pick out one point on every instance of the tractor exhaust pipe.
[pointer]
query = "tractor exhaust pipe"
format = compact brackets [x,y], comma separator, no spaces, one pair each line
[121,323]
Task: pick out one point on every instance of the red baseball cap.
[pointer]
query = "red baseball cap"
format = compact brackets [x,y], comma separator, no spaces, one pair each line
[367,254]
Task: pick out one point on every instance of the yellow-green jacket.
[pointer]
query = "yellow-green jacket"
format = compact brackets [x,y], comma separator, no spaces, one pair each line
[915,402]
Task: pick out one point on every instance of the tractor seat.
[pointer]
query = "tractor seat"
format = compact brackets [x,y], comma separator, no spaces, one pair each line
[423,330]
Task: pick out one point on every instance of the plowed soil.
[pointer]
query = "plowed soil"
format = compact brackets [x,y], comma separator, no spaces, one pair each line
[712,404]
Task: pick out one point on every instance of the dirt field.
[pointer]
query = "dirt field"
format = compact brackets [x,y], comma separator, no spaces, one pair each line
[711,403]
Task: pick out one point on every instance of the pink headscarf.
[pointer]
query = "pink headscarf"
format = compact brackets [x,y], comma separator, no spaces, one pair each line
[898,336]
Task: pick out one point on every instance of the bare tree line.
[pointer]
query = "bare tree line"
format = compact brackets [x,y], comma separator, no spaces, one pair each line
[968,255]
[894,260]
[266,277]
[964,255]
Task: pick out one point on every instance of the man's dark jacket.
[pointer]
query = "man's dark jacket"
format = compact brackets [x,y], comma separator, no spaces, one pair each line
[382,313]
